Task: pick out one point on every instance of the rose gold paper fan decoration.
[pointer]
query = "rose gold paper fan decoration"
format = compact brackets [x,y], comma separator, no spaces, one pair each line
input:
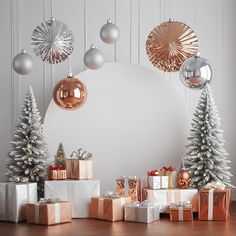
[170,44]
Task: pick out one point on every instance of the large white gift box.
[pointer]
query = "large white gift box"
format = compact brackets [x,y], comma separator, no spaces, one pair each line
[141,214]
[78,192]
[164,197]
[13,199]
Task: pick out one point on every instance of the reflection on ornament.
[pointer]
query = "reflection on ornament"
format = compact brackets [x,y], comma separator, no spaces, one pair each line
[93,58]
[182,178]
[70,93]
[22,63]
[52,41]
[170,44]
[109,32]
[196,72]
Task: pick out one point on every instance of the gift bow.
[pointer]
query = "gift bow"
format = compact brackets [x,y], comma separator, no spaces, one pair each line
[145,203]
[57,167]
[168,168]
[153,173]
[182,204]
[110,194]
[214,185]
[49,200]
[80,155]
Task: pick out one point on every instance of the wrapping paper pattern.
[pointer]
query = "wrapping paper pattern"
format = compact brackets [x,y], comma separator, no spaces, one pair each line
[181,213]
[111,209]
[164,197]
[214,204]
[171,179]
[48,213]
[78,192]
[79,169]
[142,214]
[158,182]
[13,199]
[129,187]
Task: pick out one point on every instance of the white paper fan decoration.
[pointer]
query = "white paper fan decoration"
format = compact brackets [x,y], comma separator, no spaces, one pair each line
[52,41]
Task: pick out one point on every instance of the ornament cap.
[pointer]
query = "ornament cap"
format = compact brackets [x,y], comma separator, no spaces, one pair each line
[171,20]
[109,21]
[23,50]
[70,75]
[92,46]
[197,54]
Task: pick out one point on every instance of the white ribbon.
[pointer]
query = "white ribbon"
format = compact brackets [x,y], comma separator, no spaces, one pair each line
[210,204]
[100,208]
[181,213]
[57,213]
[36,213]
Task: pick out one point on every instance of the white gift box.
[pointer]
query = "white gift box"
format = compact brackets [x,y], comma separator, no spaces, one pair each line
[78,192]
[142,214]
[158,182]
[13,199]
[164,197]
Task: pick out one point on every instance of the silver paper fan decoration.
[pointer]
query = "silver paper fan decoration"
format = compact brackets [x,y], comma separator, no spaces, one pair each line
[52,41]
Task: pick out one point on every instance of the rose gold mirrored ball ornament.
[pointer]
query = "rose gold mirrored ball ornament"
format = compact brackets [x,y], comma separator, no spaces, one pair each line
[70,93]
[182,178]
[170,44]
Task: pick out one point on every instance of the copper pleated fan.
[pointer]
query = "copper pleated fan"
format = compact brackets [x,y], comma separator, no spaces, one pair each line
[170,44]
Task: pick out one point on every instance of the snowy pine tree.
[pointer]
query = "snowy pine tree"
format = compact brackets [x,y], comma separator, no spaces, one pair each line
[28,153]
[206,158]
[60,156]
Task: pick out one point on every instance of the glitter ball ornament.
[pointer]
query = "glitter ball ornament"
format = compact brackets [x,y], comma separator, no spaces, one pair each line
[70,93]
[93,58]
[182,178]
[171,43]
[196,72]
[52,41]
[22,63]
[109,32]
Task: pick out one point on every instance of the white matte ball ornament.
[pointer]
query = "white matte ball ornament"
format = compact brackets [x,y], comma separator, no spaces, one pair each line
[196,72]
[93,58]
[109,32]
[22,63]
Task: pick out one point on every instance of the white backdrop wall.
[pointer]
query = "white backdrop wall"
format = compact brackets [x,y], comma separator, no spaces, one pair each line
[212,20]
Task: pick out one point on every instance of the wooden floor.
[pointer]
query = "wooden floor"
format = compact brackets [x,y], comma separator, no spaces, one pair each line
[87,227]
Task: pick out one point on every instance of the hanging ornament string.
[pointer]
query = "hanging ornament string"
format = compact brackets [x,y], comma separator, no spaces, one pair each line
[22,62]
[51,6]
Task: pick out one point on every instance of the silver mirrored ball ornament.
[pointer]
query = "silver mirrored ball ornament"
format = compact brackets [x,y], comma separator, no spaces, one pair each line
[22,63]
[93,58]
[196,72]
[109,32]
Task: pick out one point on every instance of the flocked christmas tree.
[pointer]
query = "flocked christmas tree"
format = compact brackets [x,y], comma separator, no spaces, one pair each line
[28,153]
[60,156]
[206,158]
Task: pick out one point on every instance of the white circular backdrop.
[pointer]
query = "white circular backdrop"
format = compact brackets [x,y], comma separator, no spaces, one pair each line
[132,121]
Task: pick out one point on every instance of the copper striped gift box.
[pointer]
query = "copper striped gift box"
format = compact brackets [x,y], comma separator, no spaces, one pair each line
[181,212]
[214,204]
[110,208]
[46,213]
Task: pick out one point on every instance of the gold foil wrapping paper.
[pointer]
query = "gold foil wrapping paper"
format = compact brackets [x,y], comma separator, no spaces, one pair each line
[214,204]
[129,187]
[110,209]
[48,213]
[79,169]
[181,213]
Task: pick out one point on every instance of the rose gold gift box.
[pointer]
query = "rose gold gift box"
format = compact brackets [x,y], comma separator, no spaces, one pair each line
[79,169]
[110,209]
[181,213]
[132,189]
[48,213]
[214,204]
